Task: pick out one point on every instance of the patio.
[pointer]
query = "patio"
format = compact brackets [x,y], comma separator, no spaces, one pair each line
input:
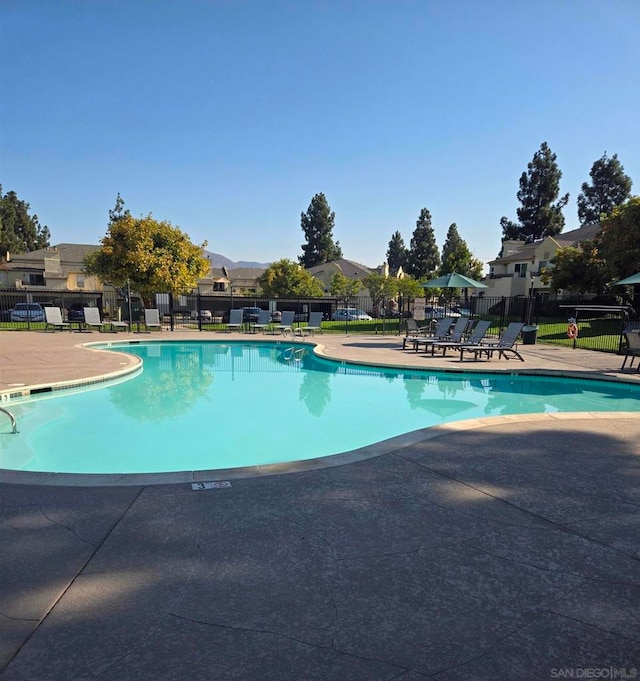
[501,548]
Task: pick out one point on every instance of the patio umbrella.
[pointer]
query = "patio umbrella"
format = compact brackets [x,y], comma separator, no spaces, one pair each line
[633,279]
[453,281]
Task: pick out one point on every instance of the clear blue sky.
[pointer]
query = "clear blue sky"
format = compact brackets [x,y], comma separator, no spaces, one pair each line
[226,117]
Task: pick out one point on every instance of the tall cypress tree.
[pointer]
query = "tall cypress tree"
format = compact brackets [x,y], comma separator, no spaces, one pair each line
[451,243]
[424,257]
[609,187]
[19,231]
[317,224]
[397,253]
[540,214]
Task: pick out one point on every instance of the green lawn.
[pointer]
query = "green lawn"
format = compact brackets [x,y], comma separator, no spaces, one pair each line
[600,334]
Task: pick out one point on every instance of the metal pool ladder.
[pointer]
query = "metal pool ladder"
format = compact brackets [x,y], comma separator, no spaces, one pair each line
[14,425]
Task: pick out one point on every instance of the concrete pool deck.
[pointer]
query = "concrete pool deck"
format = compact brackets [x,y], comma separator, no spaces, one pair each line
[504,549]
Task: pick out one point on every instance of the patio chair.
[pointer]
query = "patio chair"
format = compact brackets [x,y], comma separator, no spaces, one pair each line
[476,337]
[633,349]
[53,319]
[440,333]
[118,325]
[286,323]
[454,335]
[503,346]
[315,320]
[152,319]
[263,323]
[235,320]
[92,319]
[414,329]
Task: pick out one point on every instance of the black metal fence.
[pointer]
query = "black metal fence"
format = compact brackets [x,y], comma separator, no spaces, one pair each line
[598,329]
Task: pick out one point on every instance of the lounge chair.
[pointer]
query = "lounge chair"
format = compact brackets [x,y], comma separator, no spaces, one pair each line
[235,320]
[454,335]
[315,320]
[414,329]
[504,344]
[92,319]
[53,319]
[263,323]
[152,319]
[476,337]
[118,325]
[440,333]
[286,323]
[633,349]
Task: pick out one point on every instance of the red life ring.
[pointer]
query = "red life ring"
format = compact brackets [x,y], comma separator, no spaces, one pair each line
[572,331]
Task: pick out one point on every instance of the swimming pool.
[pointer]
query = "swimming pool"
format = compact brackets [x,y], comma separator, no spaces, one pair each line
[211,405]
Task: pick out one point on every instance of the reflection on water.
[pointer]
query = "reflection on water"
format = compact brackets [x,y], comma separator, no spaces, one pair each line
[315,391]
[213,405]
[172,381]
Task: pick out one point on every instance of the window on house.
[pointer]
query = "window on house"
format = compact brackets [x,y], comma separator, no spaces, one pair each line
[218,286]
[80,280]
[36,279]
[520,269]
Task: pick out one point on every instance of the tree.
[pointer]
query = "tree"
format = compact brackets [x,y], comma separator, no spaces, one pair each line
[118,211]
[287,278]
[456,256]
[151,256]
[408,288]
[317,224]
[510,230]
[19,231]
[397,253]
[462,261]
[380,288]
[609,188]
[619,239]
[540,214]
[576,269]
[343,287]
[424,257]
[451,242]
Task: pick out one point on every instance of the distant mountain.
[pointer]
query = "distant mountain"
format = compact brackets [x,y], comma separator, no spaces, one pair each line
[218,260]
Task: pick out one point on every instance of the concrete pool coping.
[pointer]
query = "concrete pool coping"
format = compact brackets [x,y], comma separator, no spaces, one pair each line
[29,367]
[506,551]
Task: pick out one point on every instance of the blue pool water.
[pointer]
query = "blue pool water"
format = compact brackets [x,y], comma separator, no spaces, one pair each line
[214,405]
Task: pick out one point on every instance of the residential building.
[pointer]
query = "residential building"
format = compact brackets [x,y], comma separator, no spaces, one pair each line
[59,267]
[516,272]
[348,268]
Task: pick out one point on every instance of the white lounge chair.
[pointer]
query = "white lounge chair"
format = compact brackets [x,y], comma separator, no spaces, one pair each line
[263,323]
[92,319]
[286,323]
[152,319]
[315,321]
[235,320]
[53,319]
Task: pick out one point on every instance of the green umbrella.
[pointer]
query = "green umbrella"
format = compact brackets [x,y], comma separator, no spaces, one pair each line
[453,281]
[633,279]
